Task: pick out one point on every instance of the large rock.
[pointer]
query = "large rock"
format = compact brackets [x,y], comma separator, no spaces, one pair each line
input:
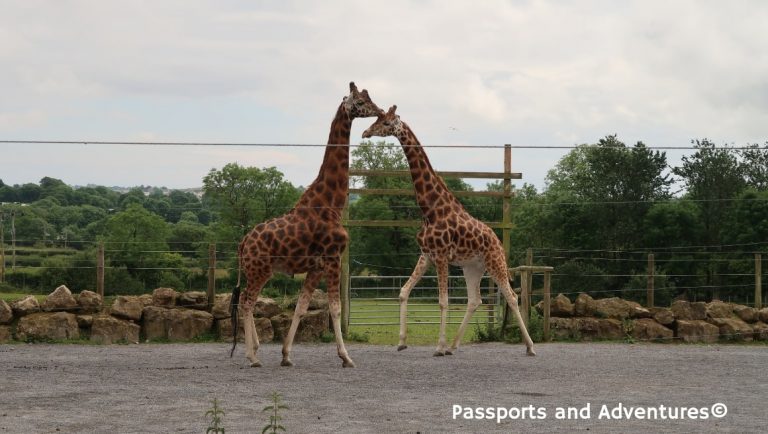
[745,313]
[264,329]
[108,330]
[719,309]
[319,300]
[146,300]
[313,324]
[610,329]
[662,315]
[47,326]
[267,308]
[613,307]
[733,329]
[90,302]
[193,300]
[689,311]
[697,331]
[85,321]
[760,331]
[127,307]
[25,306]
[60,300]
[164,297]
[221,306]
[6,313]
[561,306]
[562,328]
[762,315]
[648,329]
[589,329]
[5,334]
[175,324]
[584,305]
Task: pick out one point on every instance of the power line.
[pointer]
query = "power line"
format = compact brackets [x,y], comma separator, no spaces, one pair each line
[310,145]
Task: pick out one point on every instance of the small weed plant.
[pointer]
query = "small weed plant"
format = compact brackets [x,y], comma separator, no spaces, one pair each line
[274,414]
[215,414]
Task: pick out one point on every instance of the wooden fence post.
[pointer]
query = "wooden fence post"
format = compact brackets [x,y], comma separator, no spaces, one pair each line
[758,281]
[211,275]
[547,289]
[344,278]
[2,248]
[528,287]
[525,277]
[100,270]
[651,276]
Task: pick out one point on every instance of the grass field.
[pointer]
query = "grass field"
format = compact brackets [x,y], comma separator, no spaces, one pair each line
[423,321]
[12,296]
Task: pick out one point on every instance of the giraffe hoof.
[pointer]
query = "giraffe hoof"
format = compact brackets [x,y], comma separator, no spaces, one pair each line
[256,364]
[449,353]
[401,347]
[530,352]
[348,364]
[286,362]
[439,354]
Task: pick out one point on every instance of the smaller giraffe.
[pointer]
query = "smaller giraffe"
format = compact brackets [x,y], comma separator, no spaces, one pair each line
[449,235]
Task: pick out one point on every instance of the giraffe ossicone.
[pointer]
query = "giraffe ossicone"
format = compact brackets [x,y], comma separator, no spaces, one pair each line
[449,235]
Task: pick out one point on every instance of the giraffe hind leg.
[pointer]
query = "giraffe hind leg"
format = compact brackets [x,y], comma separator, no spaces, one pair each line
[332,275]
[472,275]
[247,301]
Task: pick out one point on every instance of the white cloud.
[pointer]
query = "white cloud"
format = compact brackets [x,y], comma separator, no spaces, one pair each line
[494,72]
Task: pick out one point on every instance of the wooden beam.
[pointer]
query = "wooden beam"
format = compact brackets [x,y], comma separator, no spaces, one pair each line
[411,192]
[406,224]
[446,174]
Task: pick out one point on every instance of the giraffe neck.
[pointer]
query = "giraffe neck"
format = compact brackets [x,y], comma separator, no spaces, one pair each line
[431,192]
[330,187]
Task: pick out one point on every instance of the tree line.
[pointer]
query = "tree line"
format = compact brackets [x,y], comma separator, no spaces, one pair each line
[604,207]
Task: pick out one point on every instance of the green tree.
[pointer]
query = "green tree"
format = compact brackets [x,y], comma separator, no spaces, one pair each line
[368,243]
[613,187]
[245,196]
[136,240]
[754,162]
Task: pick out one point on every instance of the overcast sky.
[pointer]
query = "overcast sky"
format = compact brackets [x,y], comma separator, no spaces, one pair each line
[519,72]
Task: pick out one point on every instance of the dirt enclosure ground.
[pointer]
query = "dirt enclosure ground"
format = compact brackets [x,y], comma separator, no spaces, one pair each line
[168,388]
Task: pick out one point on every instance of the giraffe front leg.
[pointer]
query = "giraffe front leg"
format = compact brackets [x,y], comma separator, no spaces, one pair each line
[442,282]
[301,308]
[418,272]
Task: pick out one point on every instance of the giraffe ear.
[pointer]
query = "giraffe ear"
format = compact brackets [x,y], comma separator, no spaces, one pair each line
[352,87]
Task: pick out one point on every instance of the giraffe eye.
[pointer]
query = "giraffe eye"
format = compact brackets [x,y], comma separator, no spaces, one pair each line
[386,124]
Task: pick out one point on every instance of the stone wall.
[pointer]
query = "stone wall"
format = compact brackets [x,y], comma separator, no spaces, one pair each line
[163,315]
[613,318]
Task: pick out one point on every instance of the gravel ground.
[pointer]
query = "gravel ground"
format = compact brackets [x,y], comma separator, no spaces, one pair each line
[168,388]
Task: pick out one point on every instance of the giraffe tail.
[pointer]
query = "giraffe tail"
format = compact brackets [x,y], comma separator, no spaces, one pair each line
[235,302]
[233,305]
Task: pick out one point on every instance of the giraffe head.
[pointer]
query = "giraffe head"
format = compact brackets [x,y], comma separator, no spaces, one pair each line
[359,105]
[387,124]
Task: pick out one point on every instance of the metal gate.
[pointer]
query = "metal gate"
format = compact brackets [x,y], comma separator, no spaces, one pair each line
[374,300]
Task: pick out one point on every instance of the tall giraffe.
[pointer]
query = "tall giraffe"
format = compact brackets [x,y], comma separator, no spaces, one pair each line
[449,235]
[308,239]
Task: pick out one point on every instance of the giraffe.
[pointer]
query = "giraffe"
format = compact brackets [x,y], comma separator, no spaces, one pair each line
[449,235]
[308,239]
